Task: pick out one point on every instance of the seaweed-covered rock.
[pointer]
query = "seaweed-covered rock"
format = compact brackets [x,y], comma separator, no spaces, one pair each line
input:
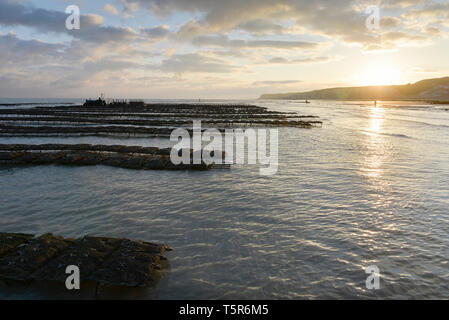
[87,253]
[104,260]
[28,157]
[164,152]
[5,147]
[171,166]
[47,157]
[202,166]
[132,157]
[114,148]
[154,164]
[131,149]
[10,241]
[116,160]
[6,156]
[149,150]
[30,256]
[51,146]
[12,158]
[12,147]
[91,159]
[69,159]
[131,265]
[134,163]
[81,147]
[100,147]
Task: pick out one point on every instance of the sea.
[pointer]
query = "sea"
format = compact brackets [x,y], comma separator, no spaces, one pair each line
[368,188]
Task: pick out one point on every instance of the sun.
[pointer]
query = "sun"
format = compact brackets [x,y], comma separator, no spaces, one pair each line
[380,74]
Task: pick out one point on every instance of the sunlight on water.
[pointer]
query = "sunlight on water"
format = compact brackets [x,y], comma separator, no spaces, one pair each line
[376,116]
[376,152]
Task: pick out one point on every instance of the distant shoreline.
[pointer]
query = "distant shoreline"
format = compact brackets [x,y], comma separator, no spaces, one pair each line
[367,100]
[429,90]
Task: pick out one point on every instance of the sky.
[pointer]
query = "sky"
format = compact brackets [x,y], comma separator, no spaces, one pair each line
[217,49]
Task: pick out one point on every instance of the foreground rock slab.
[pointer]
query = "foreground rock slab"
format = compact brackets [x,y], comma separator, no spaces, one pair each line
[111,261]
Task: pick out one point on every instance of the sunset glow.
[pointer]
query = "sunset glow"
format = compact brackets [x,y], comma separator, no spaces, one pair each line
[216,49]
[380,75]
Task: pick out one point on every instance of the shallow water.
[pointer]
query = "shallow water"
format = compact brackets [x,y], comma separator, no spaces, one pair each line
[369,187]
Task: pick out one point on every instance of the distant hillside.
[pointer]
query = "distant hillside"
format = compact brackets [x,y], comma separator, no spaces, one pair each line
[430,89]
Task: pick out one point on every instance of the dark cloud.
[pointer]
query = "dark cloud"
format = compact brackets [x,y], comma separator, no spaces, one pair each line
[43,20]
[224,41]
[16,51]
[195,63]
[261,26]
[104,34]
[159,32]
[13,13]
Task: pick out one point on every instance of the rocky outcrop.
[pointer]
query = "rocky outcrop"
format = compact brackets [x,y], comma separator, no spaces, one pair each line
[112,261]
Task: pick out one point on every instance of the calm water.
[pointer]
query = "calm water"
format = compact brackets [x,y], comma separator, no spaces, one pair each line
[370,187]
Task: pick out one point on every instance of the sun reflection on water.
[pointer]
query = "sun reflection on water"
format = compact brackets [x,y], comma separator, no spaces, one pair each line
[377,116]
[374,153]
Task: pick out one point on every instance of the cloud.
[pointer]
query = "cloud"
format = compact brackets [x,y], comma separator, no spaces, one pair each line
[433,10]
[110,65]
[279,44]
[31,64]
[109,8]
[433,31]
[396,36]
[24,52]
[190,30]
[335,20]
[261,26]
[13,13]
[389,22]
[195,63]
[282,60]
[275,83]
[426,70]
[225,42]
[158,32]
[105,34]
[402,3]
[46,21]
